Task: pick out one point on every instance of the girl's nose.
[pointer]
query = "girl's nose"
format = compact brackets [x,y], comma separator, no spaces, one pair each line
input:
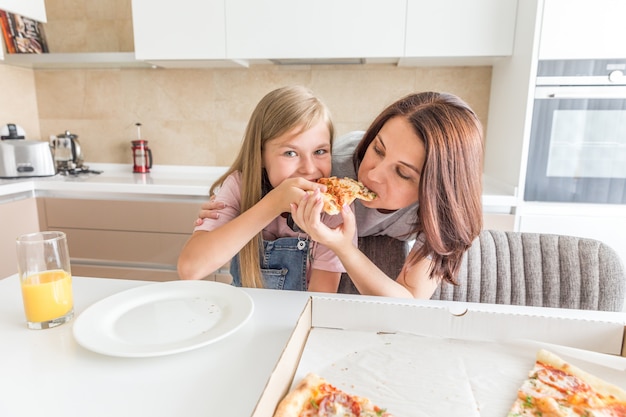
[307,165]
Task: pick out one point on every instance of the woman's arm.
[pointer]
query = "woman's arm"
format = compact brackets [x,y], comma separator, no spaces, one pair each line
[209,210]
[413,281]
[324,281]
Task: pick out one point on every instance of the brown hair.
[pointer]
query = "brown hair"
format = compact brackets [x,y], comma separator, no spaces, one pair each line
[277,113]
[449,213]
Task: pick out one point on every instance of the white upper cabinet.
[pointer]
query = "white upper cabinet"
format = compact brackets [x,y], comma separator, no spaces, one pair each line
[35,9]
[583,29]
[321,29]
[180,30]
[324,30]
[460,28]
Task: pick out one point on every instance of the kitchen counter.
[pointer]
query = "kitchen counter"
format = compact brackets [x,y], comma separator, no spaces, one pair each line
[190,183]
[164,181]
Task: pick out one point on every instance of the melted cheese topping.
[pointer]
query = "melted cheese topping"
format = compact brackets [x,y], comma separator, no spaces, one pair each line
[551,392]
[345,190]
[329,401]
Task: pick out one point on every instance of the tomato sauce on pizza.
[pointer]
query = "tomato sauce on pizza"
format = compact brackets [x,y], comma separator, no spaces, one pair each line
[556,388]
[315,397]
[342,191]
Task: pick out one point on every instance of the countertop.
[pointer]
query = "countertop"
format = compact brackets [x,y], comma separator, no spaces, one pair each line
[167,181]
[181,182]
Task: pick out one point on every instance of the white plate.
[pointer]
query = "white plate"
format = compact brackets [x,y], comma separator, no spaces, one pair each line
[164,318]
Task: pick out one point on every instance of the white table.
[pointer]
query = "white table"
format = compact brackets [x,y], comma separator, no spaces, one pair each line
[46,373]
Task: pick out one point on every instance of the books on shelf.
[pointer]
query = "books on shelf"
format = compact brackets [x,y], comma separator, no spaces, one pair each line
[22,35]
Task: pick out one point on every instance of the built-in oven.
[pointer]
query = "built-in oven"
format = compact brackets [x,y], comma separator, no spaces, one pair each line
[577,150]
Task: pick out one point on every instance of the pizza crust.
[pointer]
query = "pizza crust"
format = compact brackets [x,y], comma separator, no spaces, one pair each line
[294,401]
[330,204]
[599,385]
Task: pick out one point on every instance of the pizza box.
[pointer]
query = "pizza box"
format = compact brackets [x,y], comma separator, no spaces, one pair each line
[439,358]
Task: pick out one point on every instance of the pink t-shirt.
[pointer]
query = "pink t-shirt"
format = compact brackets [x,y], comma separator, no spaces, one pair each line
[229,193]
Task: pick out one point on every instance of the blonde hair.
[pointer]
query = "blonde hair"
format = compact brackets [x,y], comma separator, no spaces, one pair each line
[279,112]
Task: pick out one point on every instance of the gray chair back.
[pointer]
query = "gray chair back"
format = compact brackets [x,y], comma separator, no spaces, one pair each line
[386,252]
[539,270]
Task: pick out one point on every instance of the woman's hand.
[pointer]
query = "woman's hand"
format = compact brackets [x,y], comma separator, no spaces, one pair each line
[307,215]
[209,210]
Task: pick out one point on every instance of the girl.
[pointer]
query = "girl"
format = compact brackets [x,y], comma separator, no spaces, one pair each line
[286,147]
[423,157]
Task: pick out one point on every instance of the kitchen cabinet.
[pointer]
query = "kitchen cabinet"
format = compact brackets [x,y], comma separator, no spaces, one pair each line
[35,9]
[460,28]
[17,216]
[122,238]
[511,102]
[233,33]
[324,29]
[585,29]
[181,30]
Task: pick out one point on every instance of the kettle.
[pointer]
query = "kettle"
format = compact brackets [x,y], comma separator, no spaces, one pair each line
[66,151]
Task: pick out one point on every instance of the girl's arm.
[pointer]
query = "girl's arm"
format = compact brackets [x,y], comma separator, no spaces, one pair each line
[413,281]
[324,281]
[206,251]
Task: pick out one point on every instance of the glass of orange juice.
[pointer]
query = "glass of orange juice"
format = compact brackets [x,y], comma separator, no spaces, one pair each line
[43,265]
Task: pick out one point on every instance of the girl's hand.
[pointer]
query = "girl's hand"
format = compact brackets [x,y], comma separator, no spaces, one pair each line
[307,215]
[290,191]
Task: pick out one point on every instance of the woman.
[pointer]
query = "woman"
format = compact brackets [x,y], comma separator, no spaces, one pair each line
[423,157]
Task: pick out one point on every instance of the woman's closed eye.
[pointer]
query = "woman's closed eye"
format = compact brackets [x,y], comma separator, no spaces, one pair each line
[403,175]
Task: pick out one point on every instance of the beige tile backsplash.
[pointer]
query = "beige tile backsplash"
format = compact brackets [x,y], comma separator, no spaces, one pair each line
[190,116]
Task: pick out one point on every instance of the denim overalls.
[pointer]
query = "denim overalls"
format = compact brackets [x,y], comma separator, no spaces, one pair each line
[283,264]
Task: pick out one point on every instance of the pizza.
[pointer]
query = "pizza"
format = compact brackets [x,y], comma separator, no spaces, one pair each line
[315,397]
[556,388]
[340,191]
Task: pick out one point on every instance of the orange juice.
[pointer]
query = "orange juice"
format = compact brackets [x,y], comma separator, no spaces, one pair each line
[47,295]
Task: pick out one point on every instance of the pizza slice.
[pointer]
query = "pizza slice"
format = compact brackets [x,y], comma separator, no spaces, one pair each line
[315,397]
[556,388]
[340,191]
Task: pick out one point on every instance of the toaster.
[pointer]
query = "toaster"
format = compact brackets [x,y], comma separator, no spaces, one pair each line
[23,158]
